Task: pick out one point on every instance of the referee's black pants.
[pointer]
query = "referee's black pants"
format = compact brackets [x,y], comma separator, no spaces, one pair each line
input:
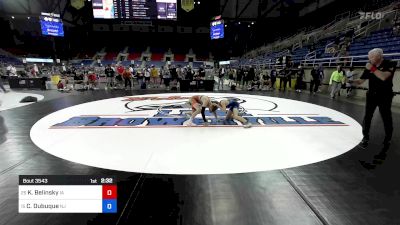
[384,103]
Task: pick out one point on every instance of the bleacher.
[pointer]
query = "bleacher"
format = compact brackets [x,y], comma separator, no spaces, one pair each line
[10,60]
[197,64]
[157,53]
[330,37]
[299,54]
[135,53]
[358,50]
[157,64]
[87,62]
[108,56]
[180,63]
[379,39]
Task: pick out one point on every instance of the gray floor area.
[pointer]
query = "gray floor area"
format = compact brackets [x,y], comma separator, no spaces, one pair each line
[349,189]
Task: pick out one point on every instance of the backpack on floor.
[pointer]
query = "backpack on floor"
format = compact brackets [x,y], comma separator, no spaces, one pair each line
[28,99]
[143,86]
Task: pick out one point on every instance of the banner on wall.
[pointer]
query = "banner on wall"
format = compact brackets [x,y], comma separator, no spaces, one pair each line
[187,5]
[78,4]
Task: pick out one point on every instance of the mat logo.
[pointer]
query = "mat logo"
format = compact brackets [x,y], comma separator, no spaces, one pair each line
[174,111]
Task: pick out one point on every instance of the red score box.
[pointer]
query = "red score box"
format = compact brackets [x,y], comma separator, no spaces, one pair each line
[109,191]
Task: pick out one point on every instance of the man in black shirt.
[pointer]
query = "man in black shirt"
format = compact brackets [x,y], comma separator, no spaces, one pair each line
[202,72]
[273,77]
[315,81]
[380,74]
[189,74]
[282,79]
[299,79]
[110,76]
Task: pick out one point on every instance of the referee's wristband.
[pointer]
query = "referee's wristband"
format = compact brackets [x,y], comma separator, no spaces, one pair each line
[373,69]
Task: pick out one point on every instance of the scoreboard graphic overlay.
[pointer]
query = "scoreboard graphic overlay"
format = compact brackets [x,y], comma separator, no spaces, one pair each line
[67,194]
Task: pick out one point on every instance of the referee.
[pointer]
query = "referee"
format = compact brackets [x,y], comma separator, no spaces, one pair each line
[379,72]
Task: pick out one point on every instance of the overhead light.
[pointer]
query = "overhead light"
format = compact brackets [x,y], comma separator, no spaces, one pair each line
[226,25]
[198,3]
[239,22]
[12,17]
[29,17]
[248,25]
[252,23]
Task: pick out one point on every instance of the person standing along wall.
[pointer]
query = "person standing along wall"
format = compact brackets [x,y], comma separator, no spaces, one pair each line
[315,80]
[273,78]
[110,77]
[299,79]
[127,75]
[221,76]
[349,80]
[336,81]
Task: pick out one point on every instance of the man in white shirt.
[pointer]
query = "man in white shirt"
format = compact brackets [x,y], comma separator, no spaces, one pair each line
[8,69]
[221,78]
[13,71]
[147,75]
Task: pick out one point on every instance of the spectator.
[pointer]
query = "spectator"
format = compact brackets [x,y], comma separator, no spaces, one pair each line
[299,79]
[251,75]
[166,77]
[118,78]
[133,73]
[239,76]
[349,80]
[273,77]
[147,75]
[286,77]
[179,72]
[265,81]
[255,84]
[127,75]
[315,80]
[78,79]
[161,72]
[110,76]
[336,81]
[174,76]
[35,70]
[231,78]
[321,76]
[92,80]
[139,76]
[60,85]
[154,75]
[189,74]
[221,75]
[13,72]
[8,70]
[202,72]
[245,77]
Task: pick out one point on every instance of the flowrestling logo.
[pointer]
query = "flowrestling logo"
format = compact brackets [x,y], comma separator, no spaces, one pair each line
[174,111]
[373,15]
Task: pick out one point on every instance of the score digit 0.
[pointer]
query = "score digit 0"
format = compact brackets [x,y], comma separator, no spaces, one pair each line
[109,191]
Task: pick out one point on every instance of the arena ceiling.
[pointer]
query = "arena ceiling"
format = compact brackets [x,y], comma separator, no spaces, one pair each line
[32,8]
[260,9]
[229,9]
